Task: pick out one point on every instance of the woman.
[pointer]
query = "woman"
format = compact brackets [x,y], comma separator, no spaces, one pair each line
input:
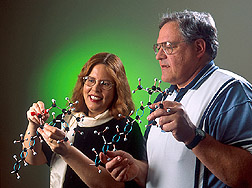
[102,92]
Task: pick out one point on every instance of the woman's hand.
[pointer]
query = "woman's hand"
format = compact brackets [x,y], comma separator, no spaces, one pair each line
[37,114]
[55,138]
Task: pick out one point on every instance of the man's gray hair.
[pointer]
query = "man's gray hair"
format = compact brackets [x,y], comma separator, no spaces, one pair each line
[195,25]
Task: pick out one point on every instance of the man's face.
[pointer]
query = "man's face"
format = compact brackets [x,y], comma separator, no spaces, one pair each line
[179,67]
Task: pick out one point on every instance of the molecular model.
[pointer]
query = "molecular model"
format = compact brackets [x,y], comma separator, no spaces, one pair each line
[32,141]
[64,124]
[150,91]
[66,112]
[115,139]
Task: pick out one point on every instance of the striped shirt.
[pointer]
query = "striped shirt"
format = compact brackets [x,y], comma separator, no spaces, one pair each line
[217,101]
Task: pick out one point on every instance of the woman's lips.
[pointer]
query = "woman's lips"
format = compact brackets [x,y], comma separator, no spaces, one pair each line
[94,98]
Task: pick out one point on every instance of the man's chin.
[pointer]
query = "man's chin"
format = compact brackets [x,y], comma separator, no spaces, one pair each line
[165,79]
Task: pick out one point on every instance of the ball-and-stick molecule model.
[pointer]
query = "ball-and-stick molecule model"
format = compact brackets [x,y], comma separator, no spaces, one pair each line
[34,138]
[68,111]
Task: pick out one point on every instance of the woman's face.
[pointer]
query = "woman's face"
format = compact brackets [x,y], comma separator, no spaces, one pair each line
[97,99]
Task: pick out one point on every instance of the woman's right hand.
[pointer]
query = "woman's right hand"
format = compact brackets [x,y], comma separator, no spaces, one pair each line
[37,109]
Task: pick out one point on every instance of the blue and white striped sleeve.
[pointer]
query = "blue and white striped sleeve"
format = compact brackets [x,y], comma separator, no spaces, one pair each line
[230,120]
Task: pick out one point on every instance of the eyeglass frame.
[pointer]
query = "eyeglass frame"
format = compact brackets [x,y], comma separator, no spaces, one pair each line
[163,47]
[85,78]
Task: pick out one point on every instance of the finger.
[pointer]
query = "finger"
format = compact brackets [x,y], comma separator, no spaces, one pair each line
[164,103]
[41,105]
[168,107]
[166,118]
[45,115]
[48,136]
[114,163]
[31,115]
[123,175]
[103,158]
[112,154]
[37,113]
[53,132]
[43,134]
[168,126]
[52,143]
[153,106]
[158,113]
[36,107]
[118,170]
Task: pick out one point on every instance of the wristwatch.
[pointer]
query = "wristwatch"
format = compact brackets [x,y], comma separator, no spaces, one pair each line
[199,135]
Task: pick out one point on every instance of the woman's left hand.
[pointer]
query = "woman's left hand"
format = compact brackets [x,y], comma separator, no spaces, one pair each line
[54,137]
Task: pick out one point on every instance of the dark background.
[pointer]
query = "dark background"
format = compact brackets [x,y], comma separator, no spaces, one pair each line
[43,45]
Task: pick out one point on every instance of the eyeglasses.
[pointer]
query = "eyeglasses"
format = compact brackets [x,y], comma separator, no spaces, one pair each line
[167,47]
[90,81]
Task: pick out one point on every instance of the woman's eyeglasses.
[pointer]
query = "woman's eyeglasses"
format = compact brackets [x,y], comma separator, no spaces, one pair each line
[90,81]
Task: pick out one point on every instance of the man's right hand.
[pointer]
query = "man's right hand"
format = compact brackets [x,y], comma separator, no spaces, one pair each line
[121,165]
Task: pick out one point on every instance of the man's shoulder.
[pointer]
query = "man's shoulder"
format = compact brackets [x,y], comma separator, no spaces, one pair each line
[226,74]
[235,85]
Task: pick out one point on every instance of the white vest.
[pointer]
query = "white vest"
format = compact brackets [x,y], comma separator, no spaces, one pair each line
[171,164]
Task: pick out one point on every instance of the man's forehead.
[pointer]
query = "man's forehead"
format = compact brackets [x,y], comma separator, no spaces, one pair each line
[169,32]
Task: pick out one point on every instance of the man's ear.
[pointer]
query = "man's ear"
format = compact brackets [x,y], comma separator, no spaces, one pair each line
[200,46]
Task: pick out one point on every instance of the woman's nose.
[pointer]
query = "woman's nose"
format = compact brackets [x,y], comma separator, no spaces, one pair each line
[97,86]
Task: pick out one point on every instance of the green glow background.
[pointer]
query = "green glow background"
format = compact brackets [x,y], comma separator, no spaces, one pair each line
[58,74]
[44,44]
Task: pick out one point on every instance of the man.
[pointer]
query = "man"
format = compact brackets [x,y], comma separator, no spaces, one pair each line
[205,139]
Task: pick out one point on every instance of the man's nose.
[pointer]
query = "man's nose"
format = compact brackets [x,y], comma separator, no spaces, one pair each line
[161,54]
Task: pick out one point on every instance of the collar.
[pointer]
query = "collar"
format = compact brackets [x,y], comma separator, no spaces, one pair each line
[94,121]
[196,82]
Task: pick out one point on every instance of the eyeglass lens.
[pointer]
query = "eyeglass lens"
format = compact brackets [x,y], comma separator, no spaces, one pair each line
[166,47]
[105,84]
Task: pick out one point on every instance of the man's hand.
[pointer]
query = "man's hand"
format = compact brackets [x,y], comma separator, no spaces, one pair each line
[121,165]
[173,118]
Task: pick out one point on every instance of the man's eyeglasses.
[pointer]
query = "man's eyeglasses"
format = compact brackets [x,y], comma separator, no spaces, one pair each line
[90,81]
[167,47]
